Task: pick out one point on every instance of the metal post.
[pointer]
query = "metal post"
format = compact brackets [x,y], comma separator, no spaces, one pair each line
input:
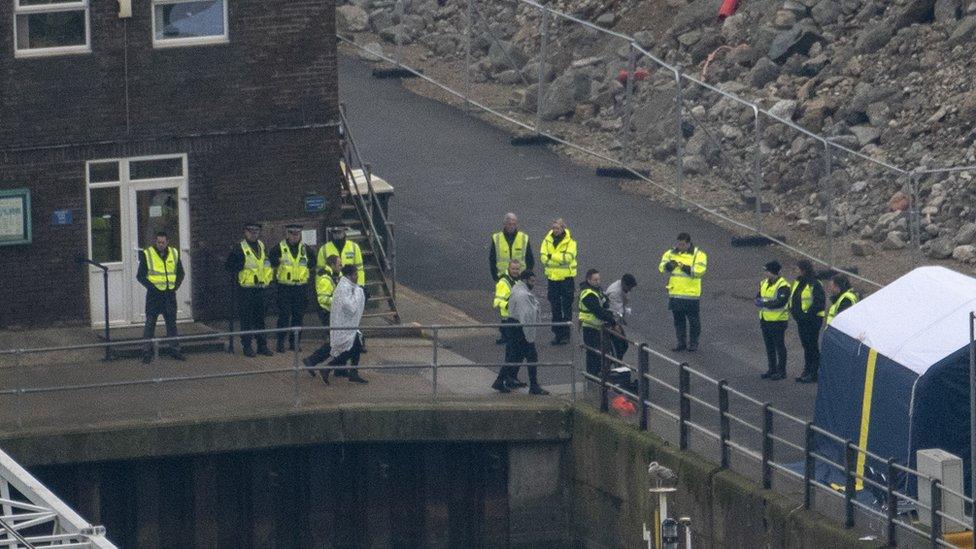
[643,390]
[757,176]
[574,349]
[972,415]
[295,364]
[767,447]
[628,102]
[725,426]
[108,334]
[436,341]
[391,249]
[808,468]
[829,191]
[155,344]
[850,482]
[936,520]
[914,223]
[679,140]
[399,31]
[468,27]
[892,504]
[604,371]
[540,99]
[684,405]
[157,383]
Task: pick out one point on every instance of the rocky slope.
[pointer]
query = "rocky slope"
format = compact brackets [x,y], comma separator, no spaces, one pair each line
[892,80]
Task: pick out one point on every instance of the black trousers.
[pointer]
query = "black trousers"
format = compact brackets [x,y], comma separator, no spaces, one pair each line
[774,336]
[687,319]
[620,344]
[292,301]
[160,303]
[251,309]
[347,357]
[560,296]
[322,353]
[810,339]
[517,351]
[594,359]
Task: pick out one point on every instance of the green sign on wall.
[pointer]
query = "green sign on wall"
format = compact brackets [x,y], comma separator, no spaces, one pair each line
[15,217]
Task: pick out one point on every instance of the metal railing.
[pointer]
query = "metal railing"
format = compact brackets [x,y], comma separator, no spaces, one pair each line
[32,516]
[566,37]
[717,422]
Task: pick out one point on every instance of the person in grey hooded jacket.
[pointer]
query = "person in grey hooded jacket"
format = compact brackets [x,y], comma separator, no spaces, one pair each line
[523,307]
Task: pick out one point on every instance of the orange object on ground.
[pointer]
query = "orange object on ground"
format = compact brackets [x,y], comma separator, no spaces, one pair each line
[727,9]
[623,406]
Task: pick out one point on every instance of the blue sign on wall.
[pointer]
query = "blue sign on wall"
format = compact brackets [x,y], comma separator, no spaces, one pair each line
[314,203]
[61,217]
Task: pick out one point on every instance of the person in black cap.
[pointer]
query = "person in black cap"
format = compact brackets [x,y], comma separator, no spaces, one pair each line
[252,267]
[773,301]
[292,261]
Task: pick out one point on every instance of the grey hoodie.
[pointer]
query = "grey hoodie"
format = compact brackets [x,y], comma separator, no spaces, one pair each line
[523,307]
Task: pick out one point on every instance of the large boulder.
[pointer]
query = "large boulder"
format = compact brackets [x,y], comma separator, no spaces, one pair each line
[875,37]
[564,93]
[915,11]
[764,72]
[505,55]
[797,40]
[825,12]
[964,32]
[947,10]
[351,18]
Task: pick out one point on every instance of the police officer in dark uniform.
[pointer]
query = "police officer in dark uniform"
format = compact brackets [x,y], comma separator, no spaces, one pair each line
[292,261]
[250,265]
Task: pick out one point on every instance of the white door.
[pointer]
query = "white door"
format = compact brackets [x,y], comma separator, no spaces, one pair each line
[130,200]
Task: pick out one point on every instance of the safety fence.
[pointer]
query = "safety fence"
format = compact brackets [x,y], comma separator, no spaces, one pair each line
[575,83]
[679,403]
[781,451]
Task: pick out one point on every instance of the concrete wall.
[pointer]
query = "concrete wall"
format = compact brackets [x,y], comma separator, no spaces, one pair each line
[607,480]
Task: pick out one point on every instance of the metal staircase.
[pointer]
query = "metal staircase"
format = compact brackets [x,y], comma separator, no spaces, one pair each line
[365,218]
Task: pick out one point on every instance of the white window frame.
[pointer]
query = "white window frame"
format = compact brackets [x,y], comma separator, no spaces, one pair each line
[53,8]
[188,41]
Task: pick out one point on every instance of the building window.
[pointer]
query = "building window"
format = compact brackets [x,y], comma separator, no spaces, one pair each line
[50,27]
[189,22]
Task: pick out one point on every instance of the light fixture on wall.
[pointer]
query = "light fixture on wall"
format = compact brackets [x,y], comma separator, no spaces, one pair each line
[125,9]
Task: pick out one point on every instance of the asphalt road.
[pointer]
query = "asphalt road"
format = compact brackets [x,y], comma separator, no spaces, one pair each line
[456,176]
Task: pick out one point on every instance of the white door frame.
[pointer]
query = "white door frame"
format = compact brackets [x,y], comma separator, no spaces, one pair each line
[122,284]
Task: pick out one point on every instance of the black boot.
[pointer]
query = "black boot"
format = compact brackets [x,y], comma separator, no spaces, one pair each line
[536,389]
[311,367]
[500,385]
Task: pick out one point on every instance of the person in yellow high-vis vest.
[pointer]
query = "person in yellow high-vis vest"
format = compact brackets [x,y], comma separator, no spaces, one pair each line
[507,375]
[292,261]
[808,307]
[348,251]
[685,265]
[773,301]
[325,283]
[594,314]
[161,273]
[558,256]
[506,245]
[503,289]
[842,296]
[251,266]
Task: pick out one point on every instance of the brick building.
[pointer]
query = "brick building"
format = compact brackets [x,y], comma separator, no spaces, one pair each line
[121,118]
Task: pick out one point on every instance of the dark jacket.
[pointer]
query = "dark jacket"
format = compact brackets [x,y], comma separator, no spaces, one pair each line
[819,301]
[598,305]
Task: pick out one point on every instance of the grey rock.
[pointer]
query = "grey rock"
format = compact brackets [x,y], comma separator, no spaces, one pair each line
[939,248]
[964,253]
[865,134]
[915,11]
[894,240]
[645,39]
[695,15]
[784,19]
[784,108]
[879,114]
[875,37]
[351,18]
[947,10]
[694,165]
[794,41]
[380,19]
[764,72]
[964,32]
[564,93]
[846,141]
[862,248]
[825,12]
[689,38]
[966,234]
[812,67]
[371,52]
[859,186]
[505,55]
[444,45]
[606,20]
[508,77]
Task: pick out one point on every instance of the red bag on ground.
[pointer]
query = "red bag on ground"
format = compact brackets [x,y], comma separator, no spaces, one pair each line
[727,9]
[623,406]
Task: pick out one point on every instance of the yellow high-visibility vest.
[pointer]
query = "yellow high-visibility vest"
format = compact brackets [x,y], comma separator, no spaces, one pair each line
[768,291]
[292,270]
[160,272]
[806,296]
[559,260]
[680,283]
[503,290]
[848,295]
[351,255]
[504,253]
[324,288]
[257,271]
[586,317]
